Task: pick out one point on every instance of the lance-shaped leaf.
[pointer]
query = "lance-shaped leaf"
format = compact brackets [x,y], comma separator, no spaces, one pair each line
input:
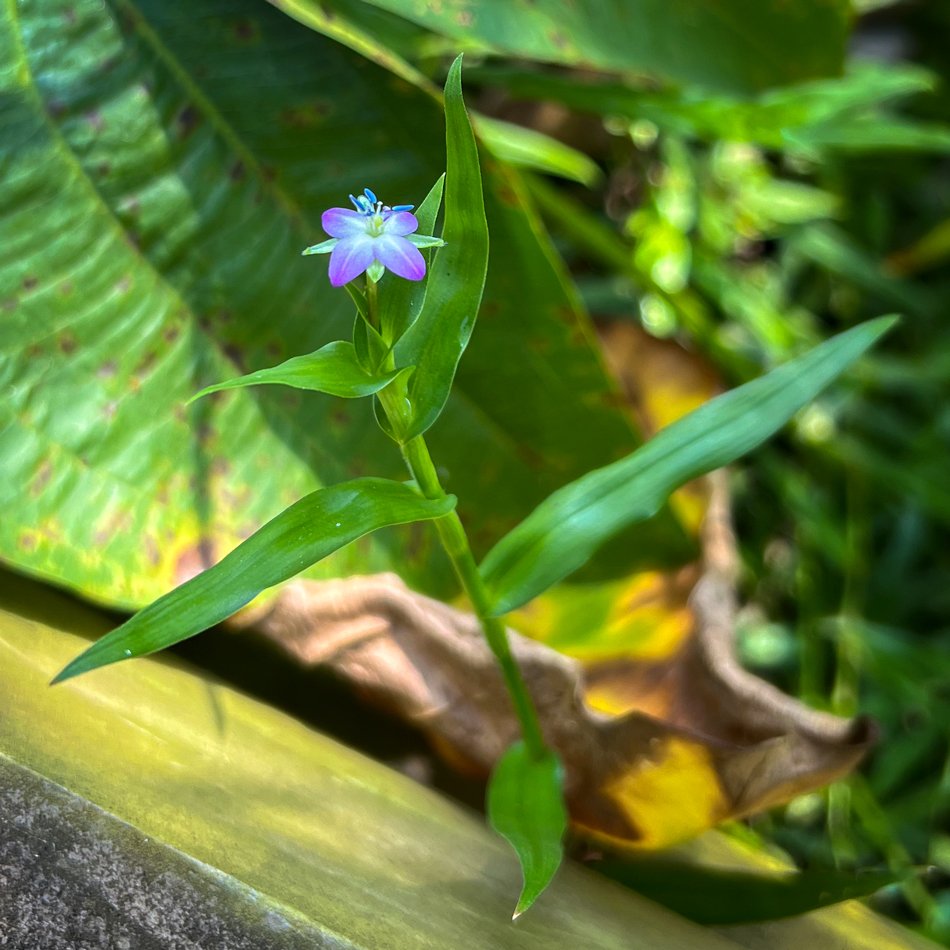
[535,150]
[307,531]
[526,807]
[562,533]
[334,369]
[435,342]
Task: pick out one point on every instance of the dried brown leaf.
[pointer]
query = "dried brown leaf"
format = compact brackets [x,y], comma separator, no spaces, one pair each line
[729,745]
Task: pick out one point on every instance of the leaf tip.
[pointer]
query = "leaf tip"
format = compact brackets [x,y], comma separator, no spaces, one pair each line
[70,670]
[888,321]
[454,79]
[523,904]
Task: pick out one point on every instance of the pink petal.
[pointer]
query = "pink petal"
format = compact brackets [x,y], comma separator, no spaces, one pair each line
[350,258]
[342,223]
[399,256]
[401,222]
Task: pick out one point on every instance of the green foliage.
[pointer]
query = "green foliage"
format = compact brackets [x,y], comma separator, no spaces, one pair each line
[850,113]
[526,807]
[565,530]
[165,164]
[529,149]
[756,227]
[684,41]
[308,531]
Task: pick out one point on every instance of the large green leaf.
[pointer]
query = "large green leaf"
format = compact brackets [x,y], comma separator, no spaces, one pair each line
[164,167]
[563,532]
[308,531]
[742,46]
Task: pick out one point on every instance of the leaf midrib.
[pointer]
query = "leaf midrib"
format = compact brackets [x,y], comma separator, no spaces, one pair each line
[67,155]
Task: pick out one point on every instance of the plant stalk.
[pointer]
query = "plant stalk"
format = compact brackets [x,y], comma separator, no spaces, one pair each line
[454,540]
[452,534]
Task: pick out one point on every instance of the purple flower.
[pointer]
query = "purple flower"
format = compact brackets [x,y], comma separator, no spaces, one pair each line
[373,238]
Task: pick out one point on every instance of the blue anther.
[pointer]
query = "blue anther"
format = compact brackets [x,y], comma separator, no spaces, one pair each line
[373,199]
[403,207]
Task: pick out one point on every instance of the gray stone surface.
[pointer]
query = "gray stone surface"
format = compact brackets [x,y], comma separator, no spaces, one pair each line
[73,877]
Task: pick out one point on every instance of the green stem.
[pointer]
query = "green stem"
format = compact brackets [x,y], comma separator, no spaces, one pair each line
[372,302]
[455,541]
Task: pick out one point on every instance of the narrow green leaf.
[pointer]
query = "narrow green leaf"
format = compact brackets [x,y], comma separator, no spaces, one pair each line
[562,533]
[324,247]
[537,151]
[720,897]
[307,531]
[526,807]
[874,133]
[436,340]
[335,369]
[423,241]
[834,250]
[401,300]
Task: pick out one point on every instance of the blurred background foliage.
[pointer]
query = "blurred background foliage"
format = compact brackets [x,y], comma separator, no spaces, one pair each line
[723,189]
[747,230]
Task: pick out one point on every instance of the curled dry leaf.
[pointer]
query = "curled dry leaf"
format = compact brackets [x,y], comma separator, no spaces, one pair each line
[730,745]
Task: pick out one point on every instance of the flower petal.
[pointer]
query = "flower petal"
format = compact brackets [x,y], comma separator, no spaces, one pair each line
[400,222]
[342,223]
[401,257]
[350,258]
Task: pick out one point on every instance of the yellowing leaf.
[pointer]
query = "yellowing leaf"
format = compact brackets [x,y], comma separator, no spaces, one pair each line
[724,743]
